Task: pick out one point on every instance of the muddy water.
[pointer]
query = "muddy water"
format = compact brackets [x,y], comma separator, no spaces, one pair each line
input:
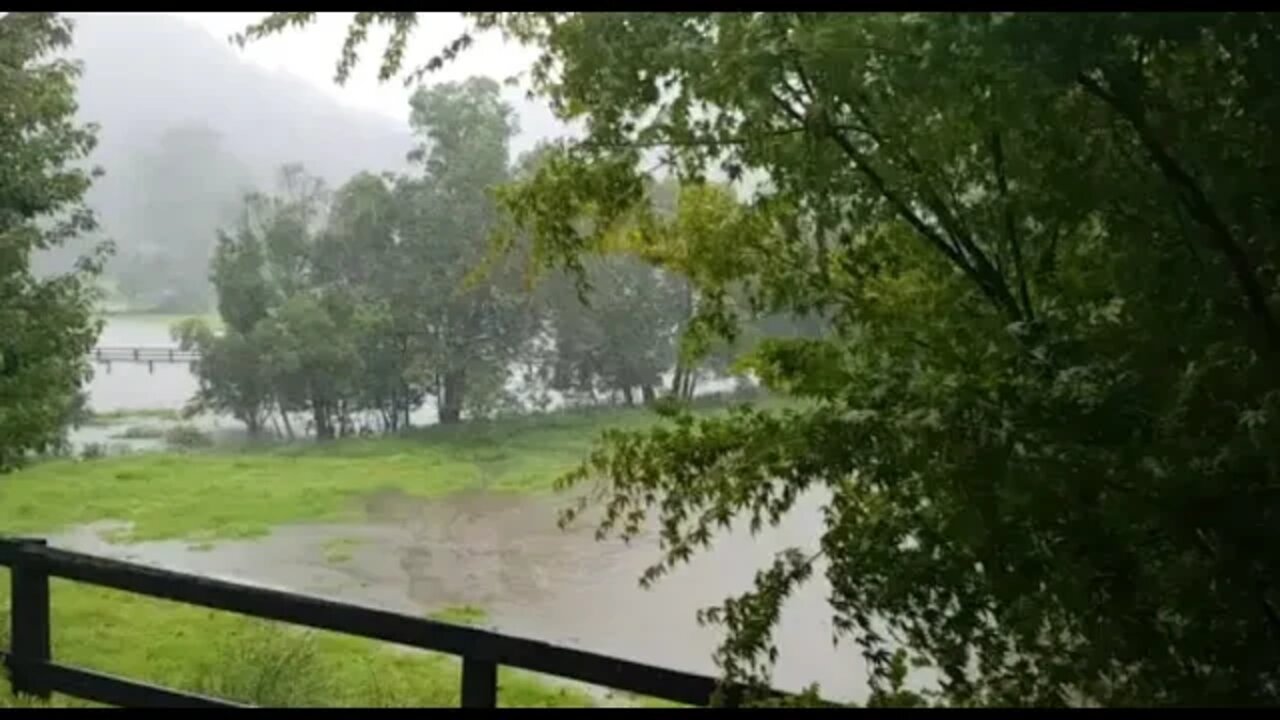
[504,553]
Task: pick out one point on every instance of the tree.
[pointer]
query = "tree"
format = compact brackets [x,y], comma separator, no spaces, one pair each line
[47,326]
[619,336]
[1046,411]
[472,316]
[360,253]
[255,367]
[233,373]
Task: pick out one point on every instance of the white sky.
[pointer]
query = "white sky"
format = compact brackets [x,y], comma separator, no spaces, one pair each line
[311,54]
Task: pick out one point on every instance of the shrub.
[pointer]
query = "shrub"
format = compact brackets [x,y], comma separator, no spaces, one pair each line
[187,436]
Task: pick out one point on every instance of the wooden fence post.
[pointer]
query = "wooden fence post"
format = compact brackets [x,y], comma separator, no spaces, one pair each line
[29,636]
[479,683]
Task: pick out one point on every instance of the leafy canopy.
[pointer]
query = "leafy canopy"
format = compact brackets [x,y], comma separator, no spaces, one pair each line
[1043,419]
[47,326]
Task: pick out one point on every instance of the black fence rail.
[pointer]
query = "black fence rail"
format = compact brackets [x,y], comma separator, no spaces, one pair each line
[143,354]
[32,670]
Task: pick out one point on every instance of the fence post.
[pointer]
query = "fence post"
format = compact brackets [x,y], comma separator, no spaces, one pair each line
[30,646]
[479,683]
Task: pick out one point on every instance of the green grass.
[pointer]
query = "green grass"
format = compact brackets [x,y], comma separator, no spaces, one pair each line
[213,495]
[253,661]
[339,550]
[460,615]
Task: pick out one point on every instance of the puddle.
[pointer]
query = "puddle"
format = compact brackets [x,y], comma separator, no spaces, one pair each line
[504,553]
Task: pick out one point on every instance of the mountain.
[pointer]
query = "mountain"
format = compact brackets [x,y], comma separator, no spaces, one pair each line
[185,128]
[145,74]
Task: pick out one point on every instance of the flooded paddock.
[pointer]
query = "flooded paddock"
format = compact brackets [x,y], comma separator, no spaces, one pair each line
[504,554]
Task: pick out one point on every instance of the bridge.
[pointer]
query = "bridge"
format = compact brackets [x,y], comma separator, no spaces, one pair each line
[142,354]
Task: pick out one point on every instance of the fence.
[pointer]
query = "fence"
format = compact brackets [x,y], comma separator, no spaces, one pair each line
[140,354]
[32,670]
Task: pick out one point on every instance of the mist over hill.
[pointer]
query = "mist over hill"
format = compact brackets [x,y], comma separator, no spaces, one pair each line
[186,127]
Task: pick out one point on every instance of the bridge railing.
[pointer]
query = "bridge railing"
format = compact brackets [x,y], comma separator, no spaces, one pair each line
[33,671]
[154,354]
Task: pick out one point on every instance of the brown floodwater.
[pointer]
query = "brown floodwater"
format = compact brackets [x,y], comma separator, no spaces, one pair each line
[504,553]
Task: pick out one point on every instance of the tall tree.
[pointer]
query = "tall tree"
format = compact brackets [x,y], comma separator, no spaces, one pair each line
[473,322]
[361,253]
[47,325]
[258,365]
[1047,410]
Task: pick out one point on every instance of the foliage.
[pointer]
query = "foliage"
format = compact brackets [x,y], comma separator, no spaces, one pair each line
[265,664]
[46,324]
[619,336]
[356,306]
[473,316]
[1044,414]
[187,437]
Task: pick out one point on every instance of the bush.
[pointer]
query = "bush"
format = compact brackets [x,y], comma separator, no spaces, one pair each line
[140,432]
[266,665]
[93,451]
[187,437]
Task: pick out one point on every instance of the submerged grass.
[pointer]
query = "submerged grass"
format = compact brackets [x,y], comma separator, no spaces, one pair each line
[339,550]
[460,615]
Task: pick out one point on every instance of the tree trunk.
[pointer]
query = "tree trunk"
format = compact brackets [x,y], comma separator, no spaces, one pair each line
[455,385]
[677,379]
[288,427]
[627,396]
[647,392]
[320,415]
[689,382]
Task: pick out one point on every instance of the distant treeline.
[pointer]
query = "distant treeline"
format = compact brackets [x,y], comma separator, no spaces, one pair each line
[357,306]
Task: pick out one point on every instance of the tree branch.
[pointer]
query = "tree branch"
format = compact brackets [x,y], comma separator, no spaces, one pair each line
[1198,206]
[1010,227]
[984,271]
[904,210]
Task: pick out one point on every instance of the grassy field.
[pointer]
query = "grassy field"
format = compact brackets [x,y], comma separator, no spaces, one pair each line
[239,494]
[257,662]
[207,496]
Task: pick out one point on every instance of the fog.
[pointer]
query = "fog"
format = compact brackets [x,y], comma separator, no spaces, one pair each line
[188,124]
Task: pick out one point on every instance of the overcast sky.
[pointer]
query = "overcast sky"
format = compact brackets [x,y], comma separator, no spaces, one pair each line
[311,54]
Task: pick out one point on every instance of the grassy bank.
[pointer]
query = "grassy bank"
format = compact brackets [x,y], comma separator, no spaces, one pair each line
[206,496]
[238,494]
